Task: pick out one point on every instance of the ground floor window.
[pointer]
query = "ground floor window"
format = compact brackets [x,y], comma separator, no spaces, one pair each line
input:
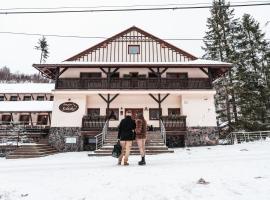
[113,113]
[42,120]
[6,119]
[93,112]
[40,98]
[173,111]
[27,98]
[154,113]
[24,119]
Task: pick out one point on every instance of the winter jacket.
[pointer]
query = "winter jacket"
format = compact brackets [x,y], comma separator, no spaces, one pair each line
[126,129]
[141,129]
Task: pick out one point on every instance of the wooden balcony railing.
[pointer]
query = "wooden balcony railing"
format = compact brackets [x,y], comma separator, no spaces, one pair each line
[133,83]
[93,122]
[177,122]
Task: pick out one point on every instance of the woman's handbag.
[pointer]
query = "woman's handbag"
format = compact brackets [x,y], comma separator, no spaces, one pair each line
[116,150]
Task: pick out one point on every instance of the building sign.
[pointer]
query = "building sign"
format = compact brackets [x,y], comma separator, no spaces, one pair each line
[68,107]
[71,140]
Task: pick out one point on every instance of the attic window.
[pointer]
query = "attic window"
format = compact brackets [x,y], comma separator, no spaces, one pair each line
[133,49]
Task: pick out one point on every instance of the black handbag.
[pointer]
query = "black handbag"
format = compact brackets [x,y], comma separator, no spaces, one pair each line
[116,150]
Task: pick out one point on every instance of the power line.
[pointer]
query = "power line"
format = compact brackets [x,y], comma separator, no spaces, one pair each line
[94,37]
[127,9]
[127,6]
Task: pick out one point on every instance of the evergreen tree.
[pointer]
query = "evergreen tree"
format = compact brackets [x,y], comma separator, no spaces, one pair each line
[253,76]
[219,43]
[43,47]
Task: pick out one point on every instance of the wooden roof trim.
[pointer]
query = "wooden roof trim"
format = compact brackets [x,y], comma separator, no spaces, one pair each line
[166,43]
[98,45]
[133,28]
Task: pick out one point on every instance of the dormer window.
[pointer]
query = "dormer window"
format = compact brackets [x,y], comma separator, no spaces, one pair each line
[133,49]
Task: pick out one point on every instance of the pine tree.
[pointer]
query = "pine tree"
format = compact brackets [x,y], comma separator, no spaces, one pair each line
[219,43]
[43,47]
[253,76]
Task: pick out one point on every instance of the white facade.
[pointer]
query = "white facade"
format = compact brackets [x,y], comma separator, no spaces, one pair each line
[198,106]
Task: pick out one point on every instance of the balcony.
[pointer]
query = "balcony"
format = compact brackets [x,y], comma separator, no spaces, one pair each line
[133,83]
[173,123]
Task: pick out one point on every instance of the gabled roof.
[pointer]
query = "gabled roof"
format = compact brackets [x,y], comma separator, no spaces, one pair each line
[125,32]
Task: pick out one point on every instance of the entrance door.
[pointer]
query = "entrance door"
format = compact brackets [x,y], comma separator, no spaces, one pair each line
[134,111]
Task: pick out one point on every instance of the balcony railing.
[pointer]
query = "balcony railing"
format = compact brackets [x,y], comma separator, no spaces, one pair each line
[177,122]
[133,83]
[93,122]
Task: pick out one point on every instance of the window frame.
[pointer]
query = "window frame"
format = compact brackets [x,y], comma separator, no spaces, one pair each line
[16,97]
[134,46]
[154,110]
[25,97]
[171,109]
[116,112]
[43,98]
[93,114]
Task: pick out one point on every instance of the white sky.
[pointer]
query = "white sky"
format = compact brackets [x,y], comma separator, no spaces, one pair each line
[17,51]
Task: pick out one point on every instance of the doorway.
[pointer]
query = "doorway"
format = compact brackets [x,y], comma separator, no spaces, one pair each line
[134,111]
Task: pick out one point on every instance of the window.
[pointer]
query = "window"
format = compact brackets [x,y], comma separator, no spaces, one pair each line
[13,98]
[93,112]
[154,113]
[173,111]
[152,75]
[133,74]
[6,119]
[115,75]
[24,119]
[113,113]
[90,75]
[133,49]
[27,98]
[42,120]
[2,98]
[51,98]
[177,75]
[40,98]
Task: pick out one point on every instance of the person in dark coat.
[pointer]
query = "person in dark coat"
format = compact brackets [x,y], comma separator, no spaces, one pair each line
[141,131]
[126,135]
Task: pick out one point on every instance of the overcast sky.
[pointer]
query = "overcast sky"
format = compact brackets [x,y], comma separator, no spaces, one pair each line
[17,51]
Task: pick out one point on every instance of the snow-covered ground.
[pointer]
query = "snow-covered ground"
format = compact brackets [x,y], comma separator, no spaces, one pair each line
[238,172]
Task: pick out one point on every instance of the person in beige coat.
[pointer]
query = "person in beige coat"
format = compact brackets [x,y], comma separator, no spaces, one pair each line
[141,132]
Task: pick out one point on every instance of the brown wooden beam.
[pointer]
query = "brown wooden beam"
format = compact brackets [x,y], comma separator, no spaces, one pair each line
[5,96]
[103,98]
[164,97]
[204,71]
[164,70]
[113,98]
[32,97]
[103,70]
[49,118]
[153,97]
[65,69]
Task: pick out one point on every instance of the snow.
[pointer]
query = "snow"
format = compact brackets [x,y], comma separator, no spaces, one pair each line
[26,106]
[28,88]
[191,62]
[238,172]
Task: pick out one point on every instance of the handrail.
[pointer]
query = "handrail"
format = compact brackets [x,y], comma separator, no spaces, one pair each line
[100,138]
[242,136]
[163,131]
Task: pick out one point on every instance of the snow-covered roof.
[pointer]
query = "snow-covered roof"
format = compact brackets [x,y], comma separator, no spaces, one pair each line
[26,87]
[191,62]
[26,106]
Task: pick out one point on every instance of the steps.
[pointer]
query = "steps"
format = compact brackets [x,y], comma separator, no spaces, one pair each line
[154,145]
[32,151]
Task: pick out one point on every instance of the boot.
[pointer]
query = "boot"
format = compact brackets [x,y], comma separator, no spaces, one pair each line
[142,162]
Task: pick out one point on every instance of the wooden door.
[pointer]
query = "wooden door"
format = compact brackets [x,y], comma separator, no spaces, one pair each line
[134,111]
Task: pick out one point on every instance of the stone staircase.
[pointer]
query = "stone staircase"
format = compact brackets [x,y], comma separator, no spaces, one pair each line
[32,151]
[154,145]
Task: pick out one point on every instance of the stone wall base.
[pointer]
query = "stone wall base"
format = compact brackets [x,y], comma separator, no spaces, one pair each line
[199,136]
[62,138]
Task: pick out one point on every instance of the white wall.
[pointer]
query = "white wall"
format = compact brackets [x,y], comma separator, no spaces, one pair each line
[75,72]
[73,119]
[199,109]
[134,101]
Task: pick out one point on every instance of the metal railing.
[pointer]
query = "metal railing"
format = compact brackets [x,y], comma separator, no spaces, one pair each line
[163,131]
[242,136]
[100,138]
